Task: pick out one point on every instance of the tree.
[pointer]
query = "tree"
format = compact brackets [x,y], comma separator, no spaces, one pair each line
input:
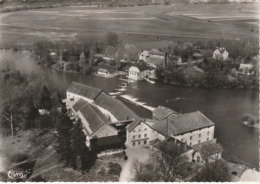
[217,171]
[79,148]
[63,126]
[166,166]
[112,39]
[45,99]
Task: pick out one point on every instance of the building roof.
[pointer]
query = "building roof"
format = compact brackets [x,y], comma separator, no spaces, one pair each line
[93,118]
[162,112]
[171,146]
[109,140]
[155,60]
[187,122]
[103,70]
[246,66]
[208,148]
[84,90]
[134,69]
[78,105]
[183,123]
[156,52]
[115,107]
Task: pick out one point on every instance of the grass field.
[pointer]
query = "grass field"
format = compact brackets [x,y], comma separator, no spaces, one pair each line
[144,26]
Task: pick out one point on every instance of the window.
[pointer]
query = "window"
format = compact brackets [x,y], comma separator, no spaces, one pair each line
[133,143]
[139,136]
[199,135]
[138,142]
[145,135]
[145,129]
[190,144]
[182,140]
[208,133]
[139,130]
[199,141]
[144,141]
[133,130]
[134,137]
[190,137]
[207,138]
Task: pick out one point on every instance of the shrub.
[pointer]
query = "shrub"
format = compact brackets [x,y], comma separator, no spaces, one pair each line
[19,157]
[114,168]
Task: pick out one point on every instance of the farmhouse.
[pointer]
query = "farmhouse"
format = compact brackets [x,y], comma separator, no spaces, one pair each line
[220,54]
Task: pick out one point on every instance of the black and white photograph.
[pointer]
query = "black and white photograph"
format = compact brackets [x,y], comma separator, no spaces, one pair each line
[129,91]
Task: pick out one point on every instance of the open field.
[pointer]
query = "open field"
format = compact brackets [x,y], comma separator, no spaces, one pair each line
[149,24]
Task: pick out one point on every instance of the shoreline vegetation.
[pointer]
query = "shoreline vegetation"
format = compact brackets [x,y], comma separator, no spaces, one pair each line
[250,121]
[203,71]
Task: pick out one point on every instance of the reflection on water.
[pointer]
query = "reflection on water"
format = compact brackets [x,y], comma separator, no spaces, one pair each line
[224,107]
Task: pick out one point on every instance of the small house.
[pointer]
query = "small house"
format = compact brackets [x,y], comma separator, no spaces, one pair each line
[246,69]
[220,54]
[137,73]
[207,152]
[103,72]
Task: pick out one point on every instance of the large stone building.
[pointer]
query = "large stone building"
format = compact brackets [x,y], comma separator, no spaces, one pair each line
[101,114]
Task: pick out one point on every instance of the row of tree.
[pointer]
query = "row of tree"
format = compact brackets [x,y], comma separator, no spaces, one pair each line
[171,168]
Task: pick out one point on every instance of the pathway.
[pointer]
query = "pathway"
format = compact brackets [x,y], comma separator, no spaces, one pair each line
[140,154]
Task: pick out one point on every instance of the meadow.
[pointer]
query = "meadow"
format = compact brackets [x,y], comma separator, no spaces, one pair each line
[144,26]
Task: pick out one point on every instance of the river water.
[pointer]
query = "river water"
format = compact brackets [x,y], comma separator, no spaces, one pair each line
[224,107]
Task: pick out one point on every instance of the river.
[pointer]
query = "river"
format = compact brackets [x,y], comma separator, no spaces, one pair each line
[224,107]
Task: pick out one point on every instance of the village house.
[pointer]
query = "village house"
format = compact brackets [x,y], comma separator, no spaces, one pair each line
[247,69]
[220,54]
[138,73]
[143,56]
[126,54]
[174,60]
[103,72]
[154,58]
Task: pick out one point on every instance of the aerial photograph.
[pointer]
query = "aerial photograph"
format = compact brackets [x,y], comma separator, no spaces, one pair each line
[129,90]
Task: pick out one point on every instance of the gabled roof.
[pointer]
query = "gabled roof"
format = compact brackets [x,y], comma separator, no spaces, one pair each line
[93,119]
[78,105]
[156,52]
[155,60]
[83,90]
[182,123]
[115,107]
[162,112]
[187,122]
[171,146]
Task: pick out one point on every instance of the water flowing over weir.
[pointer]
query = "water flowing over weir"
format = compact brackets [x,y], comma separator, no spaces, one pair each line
[224,107]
